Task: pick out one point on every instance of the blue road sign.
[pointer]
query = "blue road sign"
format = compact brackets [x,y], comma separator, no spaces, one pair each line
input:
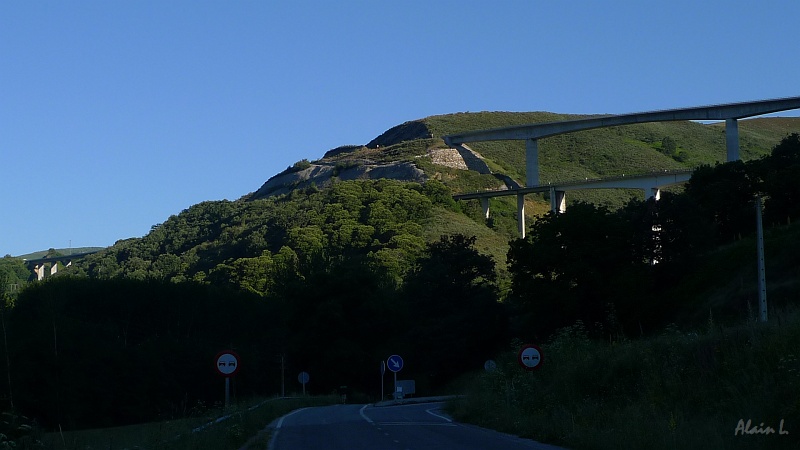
[530,357]
[303,378]
[394,363]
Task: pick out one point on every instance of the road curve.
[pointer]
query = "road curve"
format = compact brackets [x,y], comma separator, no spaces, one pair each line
[404,427]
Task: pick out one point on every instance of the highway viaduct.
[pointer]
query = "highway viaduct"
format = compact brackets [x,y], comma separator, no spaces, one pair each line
[531,134]
[48,265]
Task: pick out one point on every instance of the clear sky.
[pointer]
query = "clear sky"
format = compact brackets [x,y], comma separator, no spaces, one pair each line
[115,115]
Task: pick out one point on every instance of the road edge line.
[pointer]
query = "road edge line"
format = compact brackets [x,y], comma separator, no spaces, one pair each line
[278,426]
[429,411]
[364,416]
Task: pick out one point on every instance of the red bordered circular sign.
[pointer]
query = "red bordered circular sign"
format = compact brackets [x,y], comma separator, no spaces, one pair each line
[227,363]
[530,357]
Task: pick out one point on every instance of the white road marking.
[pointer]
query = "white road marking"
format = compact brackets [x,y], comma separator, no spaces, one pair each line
[278,426]
[430,411]
[361,411]
[418,424]
[280,421]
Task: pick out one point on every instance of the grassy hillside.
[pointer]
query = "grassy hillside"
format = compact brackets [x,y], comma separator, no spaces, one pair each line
[614,150]
[677,390]
[62,251]
[604,152]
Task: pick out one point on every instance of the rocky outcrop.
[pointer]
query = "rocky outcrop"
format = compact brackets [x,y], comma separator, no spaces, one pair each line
[322,174]
[351,162]
[408,131]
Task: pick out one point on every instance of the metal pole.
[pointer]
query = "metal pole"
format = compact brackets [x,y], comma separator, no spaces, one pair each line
[283,380]
[762,281]
[383,371]
[227,392]
[395,385]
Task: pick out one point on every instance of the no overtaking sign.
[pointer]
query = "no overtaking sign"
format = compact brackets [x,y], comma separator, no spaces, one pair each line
[530,357]
[227,363]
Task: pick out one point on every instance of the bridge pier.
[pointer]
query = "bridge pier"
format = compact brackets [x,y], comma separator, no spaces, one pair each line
[531,162]
[654,193]
[558,201]
[732,139]
[485,206]
[521,215]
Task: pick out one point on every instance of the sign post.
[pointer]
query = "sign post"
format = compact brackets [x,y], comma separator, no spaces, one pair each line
[383,371]
[395,364]
[303,378]
[227,364]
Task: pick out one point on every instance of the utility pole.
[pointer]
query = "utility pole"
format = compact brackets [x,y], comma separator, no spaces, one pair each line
[283,375]
[762,281]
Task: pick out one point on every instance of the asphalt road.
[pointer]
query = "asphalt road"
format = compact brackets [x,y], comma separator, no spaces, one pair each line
[404,427]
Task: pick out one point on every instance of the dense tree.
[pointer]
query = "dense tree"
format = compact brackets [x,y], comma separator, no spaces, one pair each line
[569,266]
[780,172]
[340,319]
[98,353]
[13,274]
[725,192]
[378,217]
[456,322]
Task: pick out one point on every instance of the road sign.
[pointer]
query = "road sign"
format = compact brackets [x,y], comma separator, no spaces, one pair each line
[490,366]
[530,357]
[394,363]
[227,363]
[303,378]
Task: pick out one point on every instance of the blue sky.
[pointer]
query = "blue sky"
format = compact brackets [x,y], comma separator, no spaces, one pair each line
[115,115]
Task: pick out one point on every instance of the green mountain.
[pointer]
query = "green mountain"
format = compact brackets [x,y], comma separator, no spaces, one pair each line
[210,235]
[336,263]
[415,151]
[59,252]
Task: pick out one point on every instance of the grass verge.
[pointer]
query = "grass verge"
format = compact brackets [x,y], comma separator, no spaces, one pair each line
[674,391]
[227,431]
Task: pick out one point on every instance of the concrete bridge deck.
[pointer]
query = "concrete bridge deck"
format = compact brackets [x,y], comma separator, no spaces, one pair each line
[531,133]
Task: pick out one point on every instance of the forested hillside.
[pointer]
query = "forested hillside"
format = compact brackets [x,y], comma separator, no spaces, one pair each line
[332,279]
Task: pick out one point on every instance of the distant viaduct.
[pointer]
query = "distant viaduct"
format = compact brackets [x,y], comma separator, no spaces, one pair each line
[48,265]
[651,183]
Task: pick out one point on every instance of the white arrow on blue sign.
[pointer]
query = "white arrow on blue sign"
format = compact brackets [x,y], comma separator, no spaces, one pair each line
[394,363]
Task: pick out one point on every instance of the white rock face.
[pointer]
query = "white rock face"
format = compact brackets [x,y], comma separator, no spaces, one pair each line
[322,174]
[447,157]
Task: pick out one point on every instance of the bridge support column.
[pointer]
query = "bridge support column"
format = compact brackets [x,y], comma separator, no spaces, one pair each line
[531,162]
[521,215]
[654,193]
[732,139]
[558,201]
[39,271]
[485,206]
